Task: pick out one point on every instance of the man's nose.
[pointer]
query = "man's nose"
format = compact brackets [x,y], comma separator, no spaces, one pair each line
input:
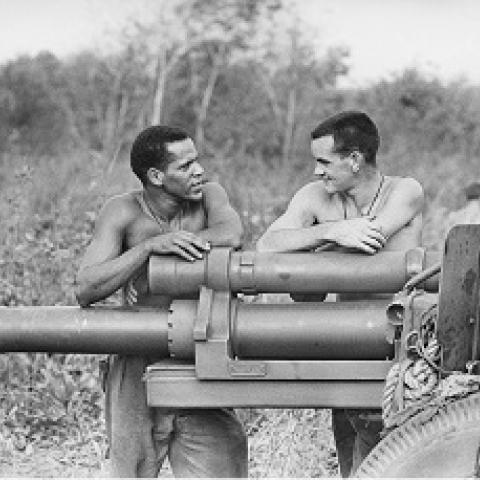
[319,170]
[198,169]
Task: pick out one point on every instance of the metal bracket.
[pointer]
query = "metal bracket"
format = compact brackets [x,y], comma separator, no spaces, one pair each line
[458,323]
[218,261]
[200,328]
[247,265]
[415,261]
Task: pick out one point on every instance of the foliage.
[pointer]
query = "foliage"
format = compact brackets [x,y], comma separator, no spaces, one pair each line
[291,443]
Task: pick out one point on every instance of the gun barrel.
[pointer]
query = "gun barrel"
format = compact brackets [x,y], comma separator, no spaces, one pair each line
[312,331]
[353,330]
[84,330]
[256,272]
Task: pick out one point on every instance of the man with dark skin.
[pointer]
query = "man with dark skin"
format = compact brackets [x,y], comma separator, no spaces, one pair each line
[353,206]
[176,212]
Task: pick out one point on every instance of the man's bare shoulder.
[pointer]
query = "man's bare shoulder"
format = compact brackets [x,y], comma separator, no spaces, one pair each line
[215,196]
[304,208]
[407,189]
[313,191]
[213,189]
[120,209]
[406,184]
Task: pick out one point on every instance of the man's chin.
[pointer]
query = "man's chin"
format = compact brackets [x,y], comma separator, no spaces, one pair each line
[195,196]
[330,188]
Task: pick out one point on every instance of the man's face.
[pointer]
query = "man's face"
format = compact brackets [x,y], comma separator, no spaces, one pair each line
[333,169]
[184,175]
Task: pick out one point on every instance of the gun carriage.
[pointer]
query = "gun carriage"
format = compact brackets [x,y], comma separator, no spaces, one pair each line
[413,348]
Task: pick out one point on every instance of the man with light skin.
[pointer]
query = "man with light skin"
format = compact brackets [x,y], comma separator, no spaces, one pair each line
[352,206]
[176,212]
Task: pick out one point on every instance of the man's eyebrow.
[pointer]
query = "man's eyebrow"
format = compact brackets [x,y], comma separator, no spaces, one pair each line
[188,162]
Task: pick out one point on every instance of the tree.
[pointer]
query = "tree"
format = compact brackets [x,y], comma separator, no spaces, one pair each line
[32,118]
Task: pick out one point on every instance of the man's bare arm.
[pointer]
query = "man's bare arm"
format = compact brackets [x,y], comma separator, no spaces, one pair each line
[224,227]
[295,229]
[402,206]
[104,268]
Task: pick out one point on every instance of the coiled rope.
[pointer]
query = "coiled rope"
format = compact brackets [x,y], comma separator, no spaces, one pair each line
[415,378]
[418,381]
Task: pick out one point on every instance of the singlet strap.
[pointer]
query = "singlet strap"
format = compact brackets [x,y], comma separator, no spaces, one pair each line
[143,205]
[344,206]
[130,293]
[165,225]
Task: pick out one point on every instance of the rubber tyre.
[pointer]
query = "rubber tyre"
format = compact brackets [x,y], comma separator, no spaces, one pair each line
[439,442]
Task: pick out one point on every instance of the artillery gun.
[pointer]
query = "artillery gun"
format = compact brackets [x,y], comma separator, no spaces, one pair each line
[413,349]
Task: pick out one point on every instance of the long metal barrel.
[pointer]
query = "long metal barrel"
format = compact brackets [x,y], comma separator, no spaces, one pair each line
[84,330]
[303,331]
[356,330]
[248,272]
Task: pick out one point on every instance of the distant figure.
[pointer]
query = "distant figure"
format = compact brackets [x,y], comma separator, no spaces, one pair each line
[470,213]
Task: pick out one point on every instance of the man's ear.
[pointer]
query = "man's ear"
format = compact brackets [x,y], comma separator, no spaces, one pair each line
[356,160]
[155,176]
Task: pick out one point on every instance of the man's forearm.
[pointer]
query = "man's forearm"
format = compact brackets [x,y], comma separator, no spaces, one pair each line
[97,282]
[221,236]
[294,239]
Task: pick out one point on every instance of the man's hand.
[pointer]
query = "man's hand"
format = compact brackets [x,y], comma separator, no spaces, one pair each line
[359,233]
[184,244]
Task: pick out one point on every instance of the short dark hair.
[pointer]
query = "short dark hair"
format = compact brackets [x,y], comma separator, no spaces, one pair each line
[351,130]
[472,192]
[149,149]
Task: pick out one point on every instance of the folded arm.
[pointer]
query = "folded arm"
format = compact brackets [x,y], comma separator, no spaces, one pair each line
[297,229]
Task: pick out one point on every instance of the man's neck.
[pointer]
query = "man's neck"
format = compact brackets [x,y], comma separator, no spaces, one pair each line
[367,189]
[163,205]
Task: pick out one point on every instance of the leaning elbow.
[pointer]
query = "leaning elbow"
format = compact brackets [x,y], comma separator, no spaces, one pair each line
[259,246]
[82,298]
[262,245]
[83,302]
[236,241]
[234,238]
[82,293]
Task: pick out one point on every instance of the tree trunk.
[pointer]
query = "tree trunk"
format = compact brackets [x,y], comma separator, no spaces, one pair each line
[289,126]
[161,77]
[218,60]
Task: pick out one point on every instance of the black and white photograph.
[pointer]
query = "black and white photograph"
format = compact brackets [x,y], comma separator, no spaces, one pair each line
[239,238]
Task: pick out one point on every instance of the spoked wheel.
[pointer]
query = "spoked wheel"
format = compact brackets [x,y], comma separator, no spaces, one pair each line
[438,442]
